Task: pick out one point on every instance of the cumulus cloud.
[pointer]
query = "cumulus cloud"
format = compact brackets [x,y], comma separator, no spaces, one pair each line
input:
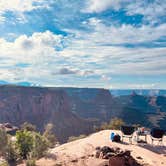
[37,50]
[27,48]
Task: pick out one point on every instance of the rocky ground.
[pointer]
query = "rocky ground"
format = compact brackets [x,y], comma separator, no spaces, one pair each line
[89,151]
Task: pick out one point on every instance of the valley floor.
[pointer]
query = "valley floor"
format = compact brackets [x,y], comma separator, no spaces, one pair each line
[79,153]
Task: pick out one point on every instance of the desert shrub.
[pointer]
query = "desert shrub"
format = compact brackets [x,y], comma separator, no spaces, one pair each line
[74,138]
[4,163]
[11,152]
[3,142]
[49,134]
[40,145]
[30,162]
[31,144]
[115,123]
[7,147]
[28,126]
[24,143]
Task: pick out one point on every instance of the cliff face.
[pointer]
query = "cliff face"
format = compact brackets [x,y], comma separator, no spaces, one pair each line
[91,103]
[40,106]
[68,108]
[146,110]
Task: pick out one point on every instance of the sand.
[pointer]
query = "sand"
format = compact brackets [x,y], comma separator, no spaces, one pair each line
[79,153]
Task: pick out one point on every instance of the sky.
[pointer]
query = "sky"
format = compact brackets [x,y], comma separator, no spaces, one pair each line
[115,44]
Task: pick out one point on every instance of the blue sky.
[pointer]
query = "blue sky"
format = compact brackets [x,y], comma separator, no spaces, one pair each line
[83,43]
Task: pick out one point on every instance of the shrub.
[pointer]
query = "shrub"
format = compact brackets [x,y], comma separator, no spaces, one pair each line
[24,143]
[40,145]
[30,162]
[12,153]
[116,123]
[28,126]
[4,163]
[49,134]
[31,144]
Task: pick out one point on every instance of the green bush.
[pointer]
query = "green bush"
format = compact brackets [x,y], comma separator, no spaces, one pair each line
[24,143]
[40,145]
[28,145]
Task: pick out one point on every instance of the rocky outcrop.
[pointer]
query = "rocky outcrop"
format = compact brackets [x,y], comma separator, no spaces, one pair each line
[9,128]
[116,156]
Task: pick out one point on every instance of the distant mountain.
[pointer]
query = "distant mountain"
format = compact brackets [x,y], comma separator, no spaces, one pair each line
[133,108]
[145,92]
[74,111]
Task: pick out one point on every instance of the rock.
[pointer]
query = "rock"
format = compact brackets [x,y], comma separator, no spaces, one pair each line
[108,155]
[116,156]
[8,125]
[117,161]
[132,162]
[74,160]
[97,154]
[106,150]
[98,148]
[122,161]
[117,149]
[140,158]
[83,157]
[124,153]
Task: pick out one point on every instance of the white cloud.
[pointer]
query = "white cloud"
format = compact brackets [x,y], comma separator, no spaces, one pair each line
[27,48]
[87,59]
[99,6]
[104,47]
[151,10]
[19,5]
[121,34]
